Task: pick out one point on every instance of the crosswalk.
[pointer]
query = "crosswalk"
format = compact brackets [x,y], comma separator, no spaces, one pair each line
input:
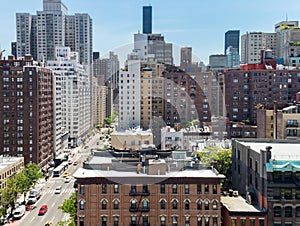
[63,191]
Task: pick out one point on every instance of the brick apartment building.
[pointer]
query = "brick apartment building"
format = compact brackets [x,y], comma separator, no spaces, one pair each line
[246,89]
[189,96]
[116,193]
[26,110]
[267,173]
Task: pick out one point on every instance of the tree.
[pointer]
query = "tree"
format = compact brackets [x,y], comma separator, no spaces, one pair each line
[70,205]
[223,158]
[22,184]
[9,195]
[33,173]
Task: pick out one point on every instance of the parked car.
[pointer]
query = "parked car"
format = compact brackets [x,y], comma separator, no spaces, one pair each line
[43,209]
[19,212]
[58,189]
[75,163]
[68,179]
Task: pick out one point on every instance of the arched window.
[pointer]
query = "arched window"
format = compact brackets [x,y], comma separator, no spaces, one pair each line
[133,204]
[199,205]
[163,204]
[81,204]
[214,204]
[145,204]
[116,204]
[174,220]
[104,204]
[186,204]
[277,211]
[206,204]
[174,204]
[288,211]
[298,211]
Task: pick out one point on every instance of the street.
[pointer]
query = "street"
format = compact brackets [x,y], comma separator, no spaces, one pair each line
[53,201]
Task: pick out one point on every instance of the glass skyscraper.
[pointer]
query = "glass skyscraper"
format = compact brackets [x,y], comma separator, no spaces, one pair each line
[232,38]
[147,19]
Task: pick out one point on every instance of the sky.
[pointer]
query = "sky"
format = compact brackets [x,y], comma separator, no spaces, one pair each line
[200,24]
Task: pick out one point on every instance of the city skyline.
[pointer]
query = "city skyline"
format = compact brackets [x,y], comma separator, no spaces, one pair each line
[192,23]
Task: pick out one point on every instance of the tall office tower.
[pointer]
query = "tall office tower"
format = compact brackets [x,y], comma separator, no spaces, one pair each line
[232,38]
[99,103]
[40,34]
[26,110]
[186,58]
[288,35]
[129,95]
[252,43]
[75,94]
[147,19]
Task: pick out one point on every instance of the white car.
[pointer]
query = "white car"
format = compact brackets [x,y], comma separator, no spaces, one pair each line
[58,190]
[68,179]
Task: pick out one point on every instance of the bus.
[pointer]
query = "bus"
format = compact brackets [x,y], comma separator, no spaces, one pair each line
[60,169]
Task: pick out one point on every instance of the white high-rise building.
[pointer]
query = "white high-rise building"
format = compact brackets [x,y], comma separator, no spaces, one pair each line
[130,95]
[73,96]
[252,43]
[40,34]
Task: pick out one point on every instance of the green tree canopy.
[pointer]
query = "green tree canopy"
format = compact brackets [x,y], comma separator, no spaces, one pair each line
[223,158]
[70,206]
[33,173]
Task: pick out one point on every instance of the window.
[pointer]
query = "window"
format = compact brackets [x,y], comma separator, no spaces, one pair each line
[116,204]
[243,222]
[162,189]
[288,211]
[215,204]
[199,221]
[145,204]
[215,189]
[145,221]
[104,204]
[206,189]
[116,188]
[163,204]
[81,204]
[116,221]
[277,211]
[261,222]
[298,211]
[187,221]
[252,222]
[186,204]
[174,189]
[186,189]
[206,204]
[133,188]
[233,222]
[133,204]
[82,189]
[174,204]
[199,205]
[174,220]
[288,194]
[133,220]
[104,221]
[198,188]
[145,188]
[162,221]
[104,189]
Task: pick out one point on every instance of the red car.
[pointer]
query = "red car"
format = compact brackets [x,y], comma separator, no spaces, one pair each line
[75,163]
[43,209]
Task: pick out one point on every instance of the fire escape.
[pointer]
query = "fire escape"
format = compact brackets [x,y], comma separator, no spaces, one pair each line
[139,205]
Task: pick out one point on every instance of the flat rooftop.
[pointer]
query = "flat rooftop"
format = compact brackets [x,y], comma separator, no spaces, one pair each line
[7,161]
[280,150]
[238,204]
[88,173]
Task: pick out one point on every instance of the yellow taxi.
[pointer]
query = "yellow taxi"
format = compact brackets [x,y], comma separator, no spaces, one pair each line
[66,174]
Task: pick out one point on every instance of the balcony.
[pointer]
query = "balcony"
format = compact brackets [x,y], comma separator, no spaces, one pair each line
[133,209]
[136,193]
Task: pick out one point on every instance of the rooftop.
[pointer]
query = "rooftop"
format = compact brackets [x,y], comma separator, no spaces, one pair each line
[280,150]
[238,204]
[6,161]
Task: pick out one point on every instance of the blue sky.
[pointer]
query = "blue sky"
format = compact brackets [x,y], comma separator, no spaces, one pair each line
[197,23]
